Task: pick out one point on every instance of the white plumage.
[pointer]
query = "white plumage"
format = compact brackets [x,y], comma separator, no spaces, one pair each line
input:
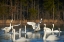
[50,37]
[35,26]
[48,30]
[56,31]
[7,29]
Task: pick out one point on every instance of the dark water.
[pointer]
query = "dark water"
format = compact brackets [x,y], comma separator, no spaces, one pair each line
[33,37]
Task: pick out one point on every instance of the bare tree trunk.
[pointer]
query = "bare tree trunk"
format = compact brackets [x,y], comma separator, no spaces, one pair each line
[53,11]
[11,9]
[63,15]
[27,12]
[20,13]
[38,9]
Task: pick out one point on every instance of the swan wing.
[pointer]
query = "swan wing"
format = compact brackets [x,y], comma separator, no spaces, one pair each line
[16,25]
[32,23]
[4,28]
[7,29]
[57,31]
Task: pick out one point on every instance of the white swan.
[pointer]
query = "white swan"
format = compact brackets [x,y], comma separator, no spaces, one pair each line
[50,37]
[7,29]
[48,30]
[56,31]
[35,26]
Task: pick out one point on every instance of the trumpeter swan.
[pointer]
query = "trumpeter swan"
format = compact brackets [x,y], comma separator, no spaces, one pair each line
[7,29]
[56,31]
[50,37]
[47,29]
[35,26]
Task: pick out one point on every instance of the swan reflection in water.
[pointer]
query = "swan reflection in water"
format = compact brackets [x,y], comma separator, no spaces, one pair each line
[34,35]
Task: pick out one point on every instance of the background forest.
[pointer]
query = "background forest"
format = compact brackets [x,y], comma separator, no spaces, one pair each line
[31,9]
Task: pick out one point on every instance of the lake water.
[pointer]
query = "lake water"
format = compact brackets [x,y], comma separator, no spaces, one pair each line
[33,37]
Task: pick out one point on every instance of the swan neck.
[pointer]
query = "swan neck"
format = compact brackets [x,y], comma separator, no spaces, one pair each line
[25,28]
[44,25]
[38,25]
[44,37]
[10,24]
[53,25]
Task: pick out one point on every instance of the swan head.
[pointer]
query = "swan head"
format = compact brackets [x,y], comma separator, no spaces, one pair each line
[11,20]
[45,25]
[41,18]
[40,22]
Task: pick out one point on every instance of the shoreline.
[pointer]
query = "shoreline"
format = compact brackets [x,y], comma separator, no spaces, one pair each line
[50,21]
[58,23]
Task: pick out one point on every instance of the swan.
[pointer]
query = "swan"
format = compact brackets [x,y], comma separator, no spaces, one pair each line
[35,26]
[50,37]
[7,29]
[48,30]
[56,31]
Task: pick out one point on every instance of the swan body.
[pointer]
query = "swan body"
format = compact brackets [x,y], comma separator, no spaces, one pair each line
[50,37]
[56,31]
[35,26]
[7,29]
[48,30]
